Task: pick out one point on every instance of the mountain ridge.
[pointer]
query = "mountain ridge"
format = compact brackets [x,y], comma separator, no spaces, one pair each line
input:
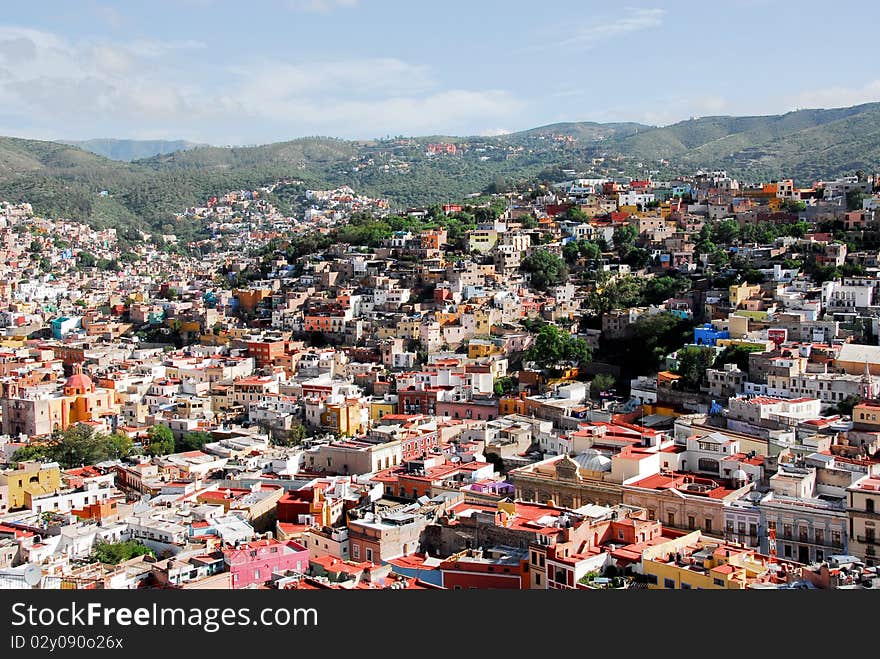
[807,145]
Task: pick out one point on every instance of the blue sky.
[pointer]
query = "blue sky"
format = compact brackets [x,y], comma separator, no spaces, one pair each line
[236,72]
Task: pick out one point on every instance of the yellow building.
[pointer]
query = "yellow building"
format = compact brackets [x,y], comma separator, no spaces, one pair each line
[480,348]
[742,292]
[343,418]
[407,328]
[709,565]
[381,408]
[31,478]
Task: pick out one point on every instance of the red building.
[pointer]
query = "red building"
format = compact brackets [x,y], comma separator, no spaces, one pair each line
[418,401]
[498,568]
[266,352]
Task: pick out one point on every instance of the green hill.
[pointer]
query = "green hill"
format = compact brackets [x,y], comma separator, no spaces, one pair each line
[65,181]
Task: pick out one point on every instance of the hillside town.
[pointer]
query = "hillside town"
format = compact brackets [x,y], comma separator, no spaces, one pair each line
[589,383]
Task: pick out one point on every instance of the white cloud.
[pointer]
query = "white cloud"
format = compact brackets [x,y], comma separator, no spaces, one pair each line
[602,29]
[62,88]
[836,97]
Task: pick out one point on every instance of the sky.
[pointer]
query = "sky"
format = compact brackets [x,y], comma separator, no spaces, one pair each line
[233,72]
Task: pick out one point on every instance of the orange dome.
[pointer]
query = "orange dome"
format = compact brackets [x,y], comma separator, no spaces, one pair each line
[79,383]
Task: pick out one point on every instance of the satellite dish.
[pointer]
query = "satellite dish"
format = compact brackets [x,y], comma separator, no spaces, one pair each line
[33,575]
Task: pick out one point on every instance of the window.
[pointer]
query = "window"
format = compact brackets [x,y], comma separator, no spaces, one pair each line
[256,574]
[786,551]
[356,551]
[669,583]
[730,526]
[819,534]
[869,505]
[708,525]
[835,538]
[685,586]
[671,518]
[369,554]
[753,530]
[691,522]
[718,582]
[652,579]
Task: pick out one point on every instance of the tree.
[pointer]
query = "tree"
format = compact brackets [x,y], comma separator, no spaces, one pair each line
[160,440]
[621,293]
[854,199]
[726,232]
[293,437]
[29,452]
[638,258]
[120,444]
[545,268]
[624,239]
[194,441]
[693,362]
[660,289]
[601,383]
[737,354]
[553,347]
[845,407]
[86,259]
[504,385]
[79,445]
[118,552]
[656,335]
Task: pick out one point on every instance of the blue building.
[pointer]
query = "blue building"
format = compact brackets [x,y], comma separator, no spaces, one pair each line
[707,335]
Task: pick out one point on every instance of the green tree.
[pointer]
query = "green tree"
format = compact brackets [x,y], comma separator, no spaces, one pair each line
[293,437]
[545,268]
[845,407]
[120,444]
[553,347]
[656,335]
[601,383]
[726,232]
[738,355]
[621,293]
[79,445]
[86,259]
[29,452]
[504,385]
[118,552]
[160,440]
[693,362]
[624,239]
[854,199]
[660,289]
[194,441]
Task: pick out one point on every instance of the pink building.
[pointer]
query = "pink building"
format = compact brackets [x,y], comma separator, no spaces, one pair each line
[254,562]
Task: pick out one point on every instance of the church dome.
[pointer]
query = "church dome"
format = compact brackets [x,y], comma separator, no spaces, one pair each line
[78,383]
[592,460]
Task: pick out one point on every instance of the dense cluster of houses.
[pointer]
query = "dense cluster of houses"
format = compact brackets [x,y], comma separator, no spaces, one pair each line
[366,417]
